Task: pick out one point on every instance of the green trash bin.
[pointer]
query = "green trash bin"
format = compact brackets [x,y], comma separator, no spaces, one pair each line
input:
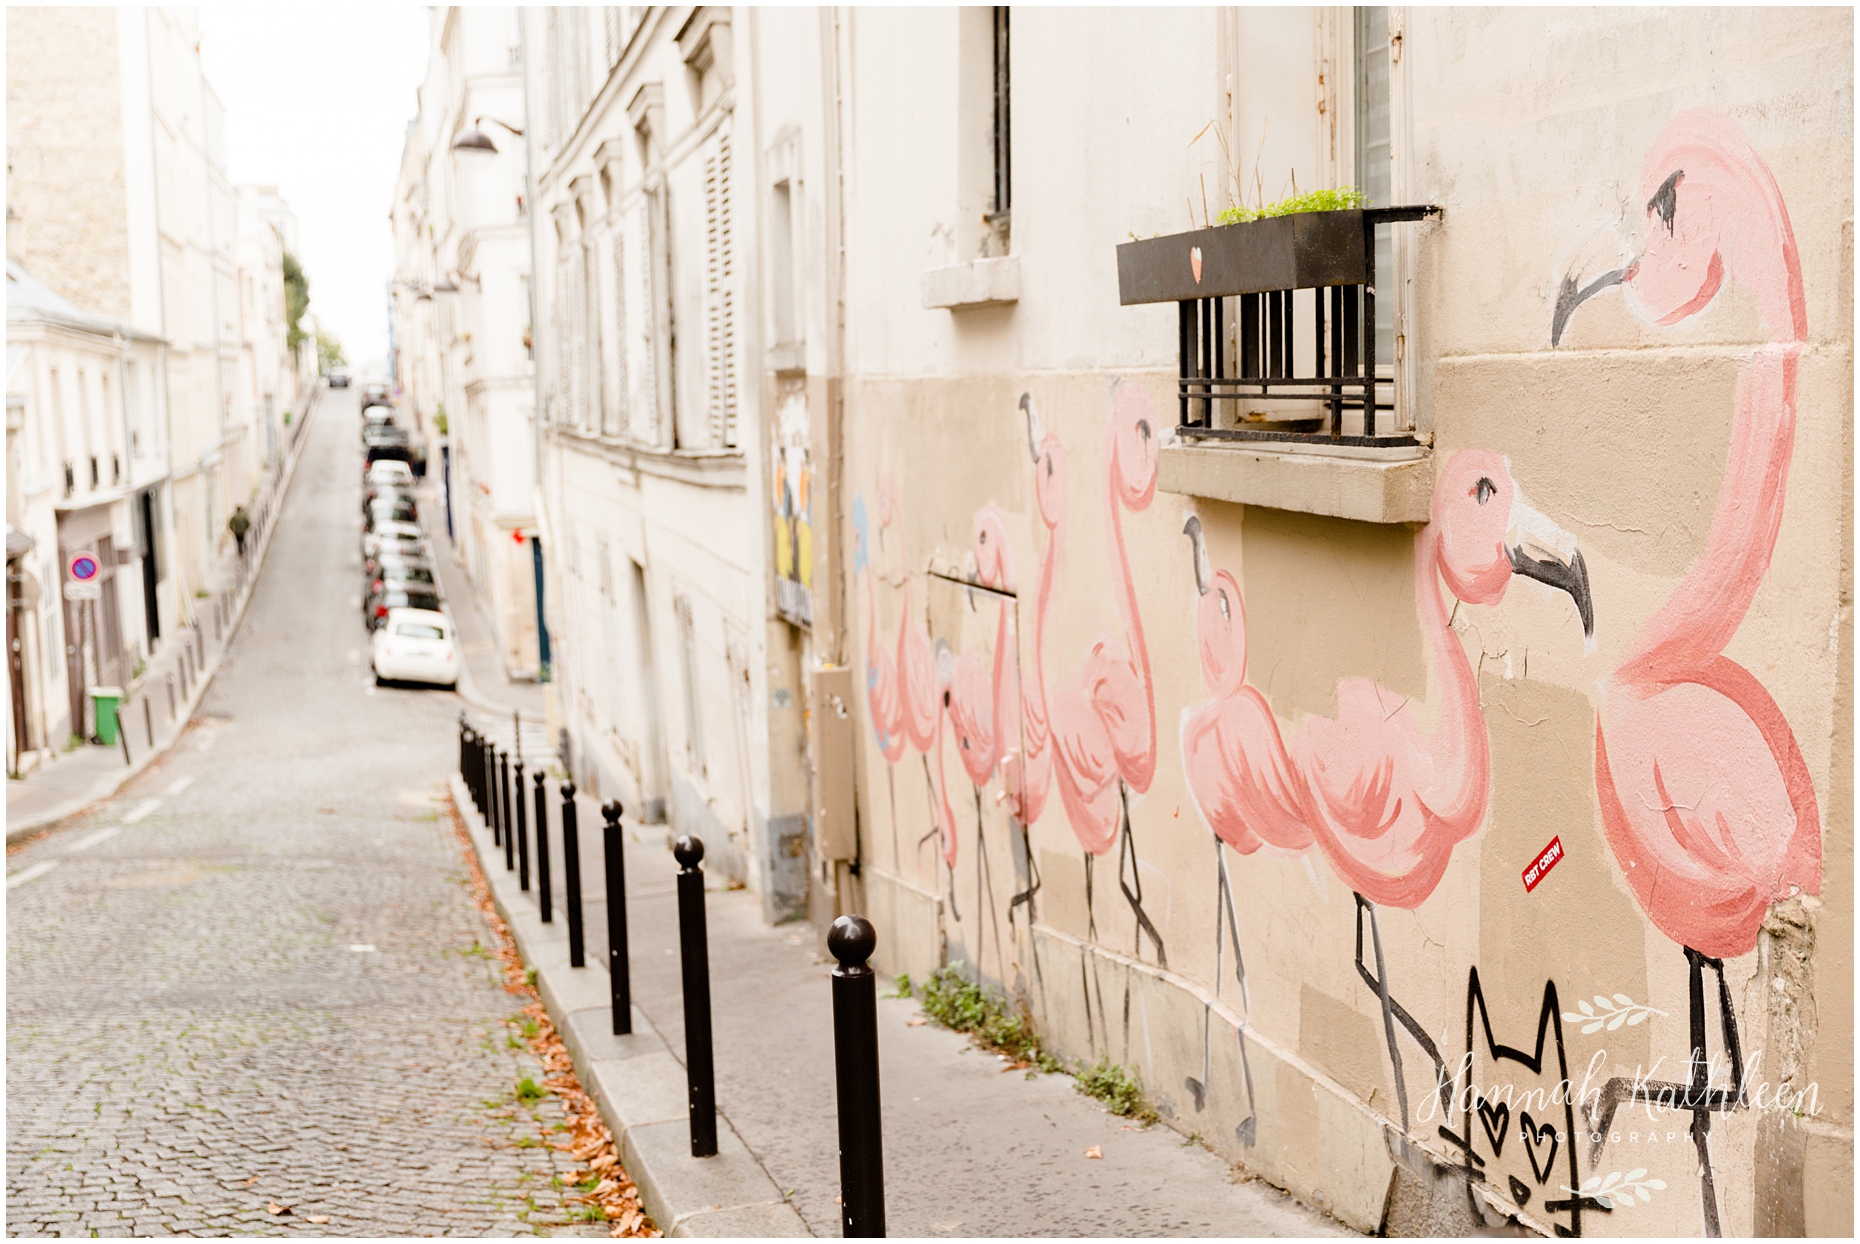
[104,701]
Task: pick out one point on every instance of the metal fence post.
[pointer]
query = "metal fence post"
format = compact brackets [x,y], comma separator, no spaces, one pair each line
[571,862]
[503,805]
[542,848]
[619,965]
[855,1056]
[694,958]
[523,828]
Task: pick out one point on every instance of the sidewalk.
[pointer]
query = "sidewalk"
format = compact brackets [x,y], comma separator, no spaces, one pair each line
[158,706]
[968,1149]
[483,684]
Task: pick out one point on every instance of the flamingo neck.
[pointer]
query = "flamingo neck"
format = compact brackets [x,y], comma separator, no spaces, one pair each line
[1127,597]
[1049,561]
[1690,630]
[1456,795]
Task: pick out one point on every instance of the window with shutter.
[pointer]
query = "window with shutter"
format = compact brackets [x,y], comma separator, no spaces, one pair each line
[564,343]
[592,350]
[622,373]
[577,304]
[649,369]
[720,294]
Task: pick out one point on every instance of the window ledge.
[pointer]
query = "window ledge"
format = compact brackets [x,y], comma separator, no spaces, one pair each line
[978,283]
[1392,486]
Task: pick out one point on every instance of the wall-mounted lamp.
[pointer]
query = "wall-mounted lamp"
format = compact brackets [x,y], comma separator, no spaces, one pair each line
[475,139]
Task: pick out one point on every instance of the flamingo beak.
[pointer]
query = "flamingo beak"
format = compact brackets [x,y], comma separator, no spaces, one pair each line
[1034,430]
[1541,550]
[1204,570]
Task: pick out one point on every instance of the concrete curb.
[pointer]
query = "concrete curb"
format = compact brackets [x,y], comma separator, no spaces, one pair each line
[26,826]
[637,1081]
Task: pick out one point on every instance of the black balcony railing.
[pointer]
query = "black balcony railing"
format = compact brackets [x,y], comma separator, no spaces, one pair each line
[1296,295]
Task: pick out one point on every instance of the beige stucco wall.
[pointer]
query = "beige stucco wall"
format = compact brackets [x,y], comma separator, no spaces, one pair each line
[1529,129]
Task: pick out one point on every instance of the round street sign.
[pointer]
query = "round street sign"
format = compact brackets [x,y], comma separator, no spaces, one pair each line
[83,567]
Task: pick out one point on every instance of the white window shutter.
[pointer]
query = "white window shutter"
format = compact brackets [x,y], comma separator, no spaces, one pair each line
[720,294]
[594,379]
[649,377]
[622,414]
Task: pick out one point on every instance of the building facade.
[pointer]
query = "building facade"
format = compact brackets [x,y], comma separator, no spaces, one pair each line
[462,313]
[148,351]
[1404,688]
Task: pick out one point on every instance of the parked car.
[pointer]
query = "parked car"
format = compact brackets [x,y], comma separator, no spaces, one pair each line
[376,392]
[393,554]
[415,645]
[381,446]
[339,379]
[393,508]
[375,418]
[392,533]
[372,493]
[389,471]
[388,571]
[392,597]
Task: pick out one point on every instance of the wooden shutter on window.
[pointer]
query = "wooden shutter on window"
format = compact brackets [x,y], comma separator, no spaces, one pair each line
[650,429]
[720,293]
[592,348]
[622,373]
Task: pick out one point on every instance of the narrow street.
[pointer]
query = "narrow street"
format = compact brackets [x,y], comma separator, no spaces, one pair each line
[251,994]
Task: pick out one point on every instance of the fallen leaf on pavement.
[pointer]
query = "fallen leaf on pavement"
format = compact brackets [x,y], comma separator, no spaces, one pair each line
[275,1208]
[248,1183]
[1094,1152]
[916,1021]
[318,1219]
[1022,1065]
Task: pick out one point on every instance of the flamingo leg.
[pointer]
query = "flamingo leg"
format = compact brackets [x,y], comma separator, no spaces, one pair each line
[1388,1009]
[891,792]
[1133,888]
[1026,896]
[1696,1095]
[985,889]
[1443,1085]
[1224,896]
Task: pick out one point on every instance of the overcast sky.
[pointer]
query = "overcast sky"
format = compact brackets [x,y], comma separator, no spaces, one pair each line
[317,101]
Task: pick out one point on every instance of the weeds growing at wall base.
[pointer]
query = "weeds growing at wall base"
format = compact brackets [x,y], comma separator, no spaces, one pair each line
[954,1001]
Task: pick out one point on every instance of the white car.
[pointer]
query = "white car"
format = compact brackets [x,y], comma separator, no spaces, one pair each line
[372,540]
[386,471]
[415,645]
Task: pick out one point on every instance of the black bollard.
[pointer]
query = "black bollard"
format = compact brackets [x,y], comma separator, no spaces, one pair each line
[694,958]
[464,773]
[855,1056]
[542,848]
[523,829]
[619,966]
[172,710]
[571,862]
[122,734]
[503,805]
[148,722]
[468,765]
[490,795]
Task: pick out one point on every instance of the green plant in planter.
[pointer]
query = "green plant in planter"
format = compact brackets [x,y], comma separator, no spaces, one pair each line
[1341,199]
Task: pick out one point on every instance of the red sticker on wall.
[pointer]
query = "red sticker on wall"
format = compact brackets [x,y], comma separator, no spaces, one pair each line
[1540,867]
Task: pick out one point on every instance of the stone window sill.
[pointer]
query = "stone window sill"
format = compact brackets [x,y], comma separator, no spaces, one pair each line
[978,283]
[1368,485]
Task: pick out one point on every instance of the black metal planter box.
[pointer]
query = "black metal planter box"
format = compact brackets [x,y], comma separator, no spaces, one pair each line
[1301,251]
[1261,264]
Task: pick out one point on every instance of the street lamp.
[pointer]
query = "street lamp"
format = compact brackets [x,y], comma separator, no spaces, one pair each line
[475,139]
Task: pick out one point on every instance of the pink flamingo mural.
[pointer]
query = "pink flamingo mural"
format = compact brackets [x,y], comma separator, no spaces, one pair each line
[1383,800]
[982,705]
[1704,795]
[903,695]
[1103,721]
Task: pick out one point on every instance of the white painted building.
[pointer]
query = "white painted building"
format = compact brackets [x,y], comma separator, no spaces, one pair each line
[462,312]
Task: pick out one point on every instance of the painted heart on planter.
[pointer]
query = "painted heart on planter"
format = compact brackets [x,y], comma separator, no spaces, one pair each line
[1194,262]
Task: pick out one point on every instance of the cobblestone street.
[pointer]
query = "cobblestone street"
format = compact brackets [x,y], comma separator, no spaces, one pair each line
[251,995]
